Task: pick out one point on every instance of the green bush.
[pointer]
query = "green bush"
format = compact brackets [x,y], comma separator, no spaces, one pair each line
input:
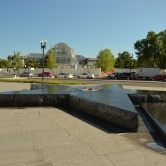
[41,81]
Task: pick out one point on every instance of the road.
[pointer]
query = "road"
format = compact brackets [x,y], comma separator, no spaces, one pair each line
[131,84]
[126,84]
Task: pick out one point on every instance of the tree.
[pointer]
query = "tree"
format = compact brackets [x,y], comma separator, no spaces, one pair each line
[124,60]
[31,63]
[4,64]
[151,50]
[105,60]
[50,59]
[16,60]
[134,64]
[162,58]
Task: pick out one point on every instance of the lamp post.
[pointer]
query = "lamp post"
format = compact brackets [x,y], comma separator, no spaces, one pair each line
[131,57]
[43,46]
[25,67]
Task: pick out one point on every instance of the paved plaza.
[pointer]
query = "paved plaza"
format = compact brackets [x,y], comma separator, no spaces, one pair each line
[49,136]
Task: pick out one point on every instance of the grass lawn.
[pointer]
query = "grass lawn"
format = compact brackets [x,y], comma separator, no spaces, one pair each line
[43,82]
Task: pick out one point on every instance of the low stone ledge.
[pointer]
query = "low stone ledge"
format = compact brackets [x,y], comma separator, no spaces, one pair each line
[37,86]
[28,100]
[138,98]
[6,100]
[145,98]
[156,98]
[55,100]
[114,115]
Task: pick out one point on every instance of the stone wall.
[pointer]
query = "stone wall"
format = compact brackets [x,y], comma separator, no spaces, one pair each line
[145,98]
[114,115]
[30,100]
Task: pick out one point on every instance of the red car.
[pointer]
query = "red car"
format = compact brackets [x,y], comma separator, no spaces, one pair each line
[159,77]
[46,74]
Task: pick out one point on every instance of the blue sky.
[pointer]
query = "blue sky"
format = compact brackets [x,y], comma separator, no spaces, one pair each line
[87,26]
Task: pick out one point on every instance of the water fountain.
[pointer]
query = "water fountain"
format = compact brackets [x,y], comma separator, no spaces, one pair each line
[107,102]
[110,102]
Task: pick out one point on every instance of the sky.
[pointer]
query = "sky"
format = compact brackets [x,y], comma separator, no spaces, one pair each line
[87,26]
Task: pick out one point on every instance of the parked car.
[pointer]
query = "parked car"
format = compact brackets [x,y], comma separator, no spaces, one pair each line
[64,75]
[112,76]
[86,75]
[125,76]
[159,77]
[46,74]
[26,74]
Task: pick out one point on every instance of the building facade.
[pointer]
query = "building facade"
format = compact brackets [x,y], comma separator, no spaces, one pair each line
[64,56]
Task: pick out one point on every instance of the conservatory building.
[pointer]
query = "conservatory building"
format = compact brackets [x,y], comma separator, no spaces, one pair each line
[64,54]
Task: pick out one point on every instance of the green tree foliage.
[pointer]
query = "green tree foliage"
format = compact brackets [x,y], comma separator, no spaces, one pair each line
[125,60]
[4,64]
[50,59]
[151,51]
[162,58]
[16,60]
[134,64]
[105,60]
[31,63]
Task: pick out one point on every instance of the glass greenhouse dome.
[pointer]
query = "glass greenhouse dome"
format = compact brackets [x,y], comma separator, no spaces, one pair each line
[64,54]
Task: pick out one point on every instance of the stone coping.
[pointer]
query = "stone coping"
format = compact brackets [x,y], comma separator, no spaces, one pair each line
[31,100]
[145,98]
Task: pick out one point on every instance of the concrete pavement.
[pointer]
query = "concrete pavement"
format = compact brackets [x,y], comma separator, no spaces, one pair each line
[51,136]
[48,136]
[13,86]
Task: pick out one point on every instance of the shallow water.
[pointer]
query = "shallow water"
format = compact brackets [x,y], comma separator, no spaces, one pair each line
[158,112]
[113,95]
[66,89]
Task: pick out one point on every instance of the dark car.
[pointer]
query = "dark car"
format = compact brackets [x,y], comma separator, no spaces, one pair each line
[125,76]
[46,74]
[26,74]
[159,78]
[112,76]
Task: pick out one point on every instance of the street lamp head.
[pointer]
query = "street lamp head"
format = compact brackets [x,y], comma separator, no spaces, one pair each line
[131,56]
[43,43]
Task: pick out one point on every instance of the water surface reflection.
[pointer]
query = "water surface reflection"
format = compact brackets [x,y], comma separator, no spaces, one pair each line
[158,112]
